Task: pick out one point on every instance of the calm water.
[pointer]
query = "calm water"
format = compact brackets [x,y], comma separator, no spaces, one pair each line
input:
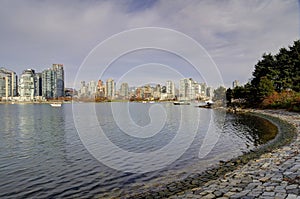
[41,155]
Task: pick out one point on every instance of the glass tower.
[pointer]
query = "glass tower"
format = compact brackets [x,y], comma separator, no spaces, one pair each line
[60,79]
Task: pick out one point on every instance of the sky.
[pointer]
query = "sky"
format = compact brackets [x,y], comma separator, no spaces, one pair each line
[233,35]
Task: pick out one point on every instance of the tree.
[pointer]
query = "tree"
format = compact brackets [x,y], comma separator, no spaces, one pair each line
[238,92]
[229,95]
[265,88]
[219,94]
[264,68]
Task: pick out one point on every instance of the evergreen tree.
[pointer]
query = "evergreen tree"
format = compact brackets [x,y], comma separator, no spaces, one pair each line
[229,95]
[219,94]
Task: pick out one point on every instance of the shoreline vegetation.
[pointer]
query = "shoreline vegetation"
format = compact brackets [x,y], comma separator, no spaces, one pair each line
[275,83]
[287,133]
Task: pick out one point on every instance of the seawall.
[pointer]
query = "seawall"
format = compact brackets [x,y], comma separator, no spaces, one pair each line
[271,171]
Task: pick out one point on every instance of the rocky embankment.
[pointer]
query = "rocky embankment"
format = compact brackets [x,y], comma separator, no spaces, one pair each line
[271,171]
[274,174]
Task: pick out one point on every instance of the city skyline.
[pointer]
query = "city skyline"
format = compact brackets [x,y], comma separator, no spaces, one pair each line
[49,84]
[234,33]
[187,89]
[31,85]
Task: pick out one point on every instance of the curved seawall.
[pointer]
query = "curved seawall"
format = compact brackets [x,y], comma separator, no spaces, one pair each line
[271,171]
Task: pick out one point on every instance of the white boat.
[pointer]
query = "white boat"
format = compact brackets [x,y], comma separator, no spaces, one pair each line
[181,103]
[56,104]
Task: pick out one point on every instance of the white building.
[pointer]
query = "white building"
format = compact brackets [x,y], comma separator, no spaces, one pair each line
[110,89]
[124,90]
[186,89]
[170,89]
[8,84]
[235,83]
[83,91]
[92,88]
[27,85]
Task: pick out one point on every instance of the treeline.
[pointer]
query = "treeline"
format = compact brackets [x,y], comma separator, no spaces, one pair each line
[275,82]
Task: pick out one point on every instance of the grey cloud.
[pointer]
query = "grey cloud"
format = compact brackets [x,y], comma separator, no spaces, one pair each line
[235,33]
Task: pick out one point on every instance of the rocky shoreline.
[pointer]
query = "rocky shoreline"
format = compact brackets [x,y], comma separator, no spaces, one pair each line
[271,171]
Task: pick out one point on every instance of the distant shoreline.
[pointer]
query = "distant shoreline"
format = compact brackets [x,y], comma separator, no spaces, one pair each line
[74,101]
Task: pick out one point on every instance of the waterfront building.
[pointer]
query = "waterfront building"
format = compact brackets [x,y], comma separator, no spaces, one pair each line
[139,93]
[70,92]
[8,84]
[83,91]
[38,84]
[110,89]
[100,89]
[27,85]
[60,79]
[235,83]
[124,90]
[157,92]
[148,92]
[203,89]
[197,88]
[170,89]
[92,88]
[49,79]
[186,89]
[209,92]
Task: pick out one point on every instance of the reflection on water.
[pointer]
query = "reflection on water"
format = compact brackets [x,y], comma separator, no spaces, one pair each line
[41,155]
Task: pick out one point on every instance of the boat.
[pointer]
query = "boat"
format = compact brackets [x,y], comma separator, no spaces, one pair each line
[207,104]
[55,104]
[181,103]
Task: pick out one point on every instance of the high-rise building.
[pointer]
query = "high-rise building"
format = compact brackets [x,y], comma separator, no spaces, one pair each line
[38,84]
[110,88]
[209,92]
[100,89]
[203,89]
[235,83]
[170,89]
[83,91]
[197,87]
[60,79]
[92,88]
[49,90]
[148,92]
[8,84]
[124,90]
[157,92]
[139,93]
[186,89]
[27,85]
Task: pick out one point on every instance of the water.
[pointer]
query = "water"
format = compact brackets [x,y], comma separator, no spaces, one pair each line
[41,155]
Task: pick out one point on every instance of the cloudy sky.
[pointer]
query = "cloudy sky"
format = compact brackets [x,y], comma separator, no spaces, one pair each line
[233,34]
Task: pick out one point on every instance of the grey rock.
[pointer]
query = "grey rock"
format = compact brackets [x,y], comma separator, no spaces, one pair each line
[270,188]
[280,195]
[268,194]
[218,193]
[293,191]
[291,196]
[209,196]
[293,186]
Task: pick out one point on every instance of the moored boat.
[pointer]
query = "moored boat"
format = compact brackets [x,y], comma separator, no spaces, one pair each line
[207,104]
[181,103]
[55,104]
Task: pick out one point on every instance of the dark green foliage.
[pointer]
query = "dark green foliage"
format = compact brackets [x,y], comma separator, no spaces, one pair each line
[219,94]
[282,69]
[229,95]
[280,72]
[265,88]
